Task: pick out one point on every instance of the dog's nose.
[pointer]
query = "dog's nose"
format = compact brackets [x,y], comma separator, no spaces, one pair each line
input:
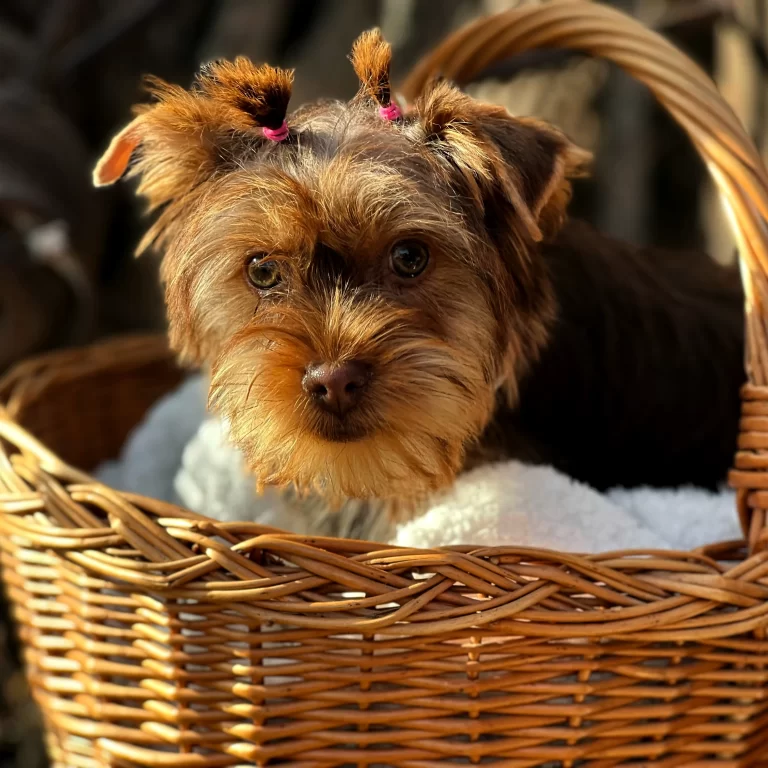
[336,388]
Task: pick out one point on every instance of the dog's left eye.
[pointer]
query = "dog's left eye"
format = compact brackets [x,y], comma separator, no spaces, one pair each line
[409,258]
[263,274]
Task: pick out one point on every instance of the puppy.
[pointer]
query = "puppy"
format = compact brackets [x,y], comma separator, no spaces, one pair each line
[386,298]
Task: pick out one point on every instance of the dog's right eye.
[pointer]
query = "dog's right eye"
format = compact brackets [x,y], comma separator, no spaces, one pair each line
[409,258]
[263,274]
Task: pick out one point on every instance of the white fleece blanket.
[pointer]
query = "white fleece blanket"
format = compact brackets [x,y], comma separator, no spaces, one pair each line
[179,454]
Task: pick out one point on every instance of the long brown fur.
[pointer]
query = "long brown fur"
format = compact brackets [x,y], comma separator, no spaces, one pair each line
[456,354]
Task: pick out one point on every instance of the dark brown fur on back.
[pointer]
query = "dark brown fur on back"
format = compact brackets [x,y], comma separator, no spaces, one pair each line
[639,382]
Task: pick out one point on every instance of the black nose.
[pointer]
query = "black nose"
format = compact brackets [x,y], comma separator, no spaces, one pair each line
[336,388]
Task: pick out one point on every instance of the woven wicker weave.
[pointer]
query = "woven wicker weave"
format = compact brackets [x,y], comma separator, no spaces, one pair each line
[156,637]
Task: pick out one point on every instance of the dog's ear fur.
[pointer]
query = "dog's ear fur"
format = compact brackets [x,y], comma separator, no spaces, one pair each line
[113,164]
[521,163]
[187,136]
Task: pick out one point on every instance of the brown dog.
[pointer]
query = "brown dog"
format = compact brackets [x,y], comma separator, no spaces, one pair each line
[384,299]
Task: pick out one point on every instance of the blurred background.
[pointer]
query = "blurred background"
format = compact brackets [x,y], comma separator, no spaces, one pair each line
[71,69]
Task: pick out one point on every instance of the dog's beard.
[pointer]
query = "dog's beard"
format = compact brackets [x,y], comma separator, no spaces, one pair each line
[427,399]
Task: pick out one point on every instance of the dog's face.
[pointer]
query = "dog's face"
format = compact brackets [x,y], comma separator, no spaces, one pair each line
[362,290]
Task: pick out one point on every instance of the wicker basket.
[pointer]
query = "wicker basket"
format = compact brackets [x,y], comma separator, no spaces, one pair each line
[156,637]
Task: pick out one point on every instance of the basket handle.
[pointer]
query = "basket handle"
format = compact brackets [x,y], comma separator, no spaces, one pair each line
[693,100]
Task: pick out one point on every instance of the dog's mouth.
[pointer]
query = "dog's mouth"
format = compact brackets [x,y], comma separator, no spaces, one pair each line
[340,430]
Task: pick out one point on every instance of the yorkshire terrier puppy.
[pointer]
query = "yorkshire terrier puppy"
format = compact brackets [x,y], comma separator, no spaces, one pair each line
[385,298]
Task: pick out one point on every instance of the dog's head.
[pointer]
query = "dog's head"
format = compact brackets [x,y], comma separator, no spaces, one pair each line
[361,282]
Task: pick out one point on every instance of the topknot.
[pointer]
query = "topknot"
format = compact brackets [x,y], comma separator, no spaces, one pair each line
[262,93]
[371,57]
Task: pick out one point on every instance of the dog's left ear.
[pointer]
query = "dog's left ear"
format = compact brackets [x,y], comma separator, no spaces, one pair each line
[523,163]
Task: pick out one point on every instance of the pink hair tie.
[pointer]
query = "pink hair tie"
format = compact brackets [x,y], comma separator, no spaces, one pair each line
[276,134]
[390,112]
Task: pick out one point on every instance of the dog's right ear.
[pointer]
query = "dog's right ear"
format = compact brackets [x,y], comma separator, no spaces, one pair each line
[171,144]
[114,162]
[188,136]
